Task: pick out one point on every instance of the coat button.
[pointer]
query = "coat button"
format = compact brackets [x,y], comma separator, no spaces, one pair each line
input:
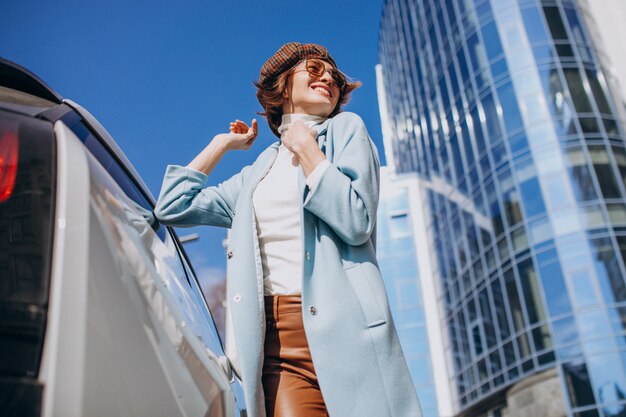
[307,255]
[313,310]
[229,254]
[237,297]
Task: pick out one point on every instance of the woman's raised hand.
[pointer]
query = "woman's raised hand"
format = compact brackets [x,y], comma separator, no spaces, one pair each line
[240,136]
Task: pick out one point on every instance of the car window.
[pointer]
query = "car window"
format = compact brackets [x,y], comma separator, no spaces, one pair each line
[110,164]
[184,286]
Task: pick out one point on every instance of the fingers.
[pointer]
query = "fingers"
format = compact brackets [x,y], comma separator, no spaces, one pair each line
[238,126]
[253,130]
[235,127]
[248,133]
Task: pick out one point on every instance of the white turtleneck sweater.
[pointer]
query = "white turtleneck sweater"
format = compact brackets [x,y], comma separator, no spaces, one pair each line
[277,207]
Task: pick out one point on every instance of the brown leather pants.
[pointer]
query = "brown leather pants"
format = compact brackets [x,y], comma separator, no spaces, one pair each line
[289,380]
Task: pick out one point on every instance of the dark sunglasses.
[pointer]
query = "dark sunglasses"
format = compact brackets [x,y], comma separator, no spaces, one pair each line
[316,68]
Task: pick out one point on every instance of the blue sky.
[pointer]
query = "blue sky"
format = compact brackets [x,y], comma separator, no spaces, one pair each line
[165,77]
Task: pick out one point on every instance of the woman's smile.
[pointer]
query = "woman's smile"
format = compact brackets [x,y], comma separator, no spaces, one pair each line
[322,89]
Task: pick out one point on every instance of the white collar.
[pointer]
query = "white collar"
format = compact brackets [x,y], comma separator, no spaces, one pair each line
[308,119]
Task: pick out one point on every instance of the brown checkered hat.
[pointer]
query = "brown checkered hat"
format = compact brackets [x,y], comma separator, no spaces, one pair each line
[288,56]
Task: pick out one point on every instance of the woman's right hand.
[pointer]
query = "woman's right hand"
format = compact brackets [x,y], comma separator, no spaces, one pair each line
[241,136]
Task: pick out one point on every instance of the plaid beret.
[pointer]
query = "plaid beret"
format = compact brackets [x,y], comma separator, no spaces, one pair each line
[288,56]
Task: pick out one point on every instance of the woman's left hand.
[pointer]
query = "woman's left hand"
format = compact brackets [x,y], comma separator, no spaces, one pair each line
[302,141]
[298,137]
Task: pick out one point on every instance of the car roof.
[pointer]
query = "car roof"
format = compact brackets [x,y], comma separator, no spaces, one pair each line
[23,92]
[19,78]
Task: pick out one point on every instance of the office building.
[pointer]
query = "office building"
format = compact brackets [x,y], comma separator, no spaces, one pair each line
[512,122]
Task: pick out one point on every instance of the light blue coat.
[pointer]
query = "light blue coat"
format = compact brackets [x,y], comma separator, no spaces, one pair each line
[355,349]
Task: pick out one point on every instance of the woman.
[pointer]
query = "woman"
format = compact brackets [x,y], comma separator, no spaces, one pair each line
[307,306]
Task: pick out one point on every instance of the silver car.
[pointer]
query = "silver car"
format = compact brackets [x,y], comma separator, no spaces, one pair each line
[100,311]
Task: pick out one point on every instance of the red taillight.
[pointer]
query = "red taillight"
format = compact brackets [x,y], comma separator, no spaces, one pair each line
[8,164]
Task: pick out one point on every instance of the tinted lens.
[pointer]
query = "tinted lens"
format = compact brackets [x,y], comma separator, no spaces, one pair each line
[317,68]
[338,77]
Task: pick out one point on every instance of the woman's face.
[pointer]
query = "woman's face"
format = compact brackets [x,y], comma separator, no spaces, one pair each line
[310,94]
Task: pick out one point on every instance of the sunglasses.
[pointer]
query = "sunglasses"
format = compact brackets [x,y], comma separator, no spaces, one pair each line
[316,68]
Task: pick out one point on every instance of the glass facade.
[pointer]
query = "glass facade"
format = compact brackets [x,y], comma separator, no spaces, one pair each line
[503,108]
[396,252]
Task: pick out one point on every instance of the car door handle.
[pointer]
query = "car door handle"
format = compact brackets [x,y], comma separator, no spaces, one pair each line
[226,367]
[223,363]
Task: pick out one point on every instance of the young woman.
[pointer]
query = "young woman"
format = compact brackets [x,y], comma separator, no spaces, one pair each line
[310,332]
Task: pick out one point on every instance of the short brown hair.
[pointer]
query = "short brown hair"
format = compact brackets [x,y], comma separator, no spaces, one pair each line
[272,97]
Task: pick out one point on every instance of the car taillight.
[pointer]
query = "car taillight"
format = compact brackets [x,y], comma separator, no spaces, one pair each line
[8,163]
[27,181]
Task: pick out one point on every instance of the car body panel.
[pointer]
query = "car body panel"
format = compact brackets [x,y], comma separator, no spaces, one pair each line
[64,347]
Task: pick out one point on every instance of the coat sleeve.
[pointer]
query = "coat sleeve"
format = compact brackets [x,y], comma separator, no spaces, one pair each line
[183,200]
[346,197]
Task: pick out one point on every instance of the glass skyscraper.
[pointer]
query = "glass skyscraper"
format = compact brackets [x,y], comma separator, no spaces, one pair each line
[505,111]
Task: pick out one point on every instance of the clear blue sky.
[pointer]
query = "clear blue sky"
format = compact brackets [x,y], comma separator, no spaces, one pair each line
[165,77]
